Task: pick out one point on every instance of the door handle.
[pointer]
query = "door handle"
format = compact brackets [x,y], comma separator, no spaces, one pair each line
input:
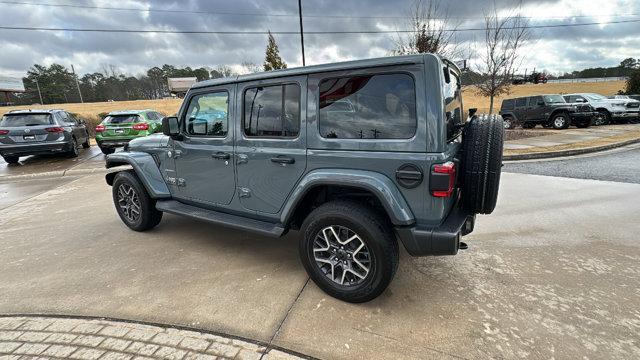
[283,160]
[221,155]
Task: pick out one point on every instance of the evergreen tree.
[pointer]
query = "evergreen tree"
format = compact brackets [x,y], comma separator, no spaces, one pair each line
[272,59]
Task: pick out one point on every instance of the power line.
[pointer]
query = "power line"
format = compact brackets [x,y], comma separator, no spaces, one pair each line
[233,13]
[346,32]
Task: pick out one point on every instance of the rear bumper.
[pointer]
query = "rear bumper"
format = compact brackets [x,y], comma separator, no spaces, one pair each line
[113,143]
[440,240]
[34,149]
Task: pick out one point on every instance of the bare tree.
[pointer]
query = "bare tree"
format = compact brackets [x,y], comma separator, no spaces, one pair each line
[430,31]
[504,38]
[249,67]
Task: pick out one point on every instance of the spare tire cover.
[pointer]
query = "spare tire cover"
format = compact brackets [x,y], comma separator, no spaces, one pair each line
[482,141]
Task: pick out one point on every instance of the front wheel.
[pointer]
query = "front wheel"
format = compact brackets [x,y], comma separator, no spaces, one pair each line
[74,152]
[134,205]
[11,159]
[349,250]
[603,118]
[560,121]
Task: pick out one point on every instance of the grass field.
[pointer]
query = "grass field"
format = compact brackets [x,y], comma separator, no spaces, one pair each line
[90,111]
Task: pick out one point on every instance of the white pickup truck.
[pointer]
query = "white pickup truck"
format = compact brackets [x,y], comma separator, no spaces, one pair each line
[617,110]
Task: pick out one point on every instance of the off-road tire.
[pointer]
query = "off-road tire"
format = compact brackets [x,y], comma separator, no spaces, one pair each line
[605,118]
[376,232]
[508,122]
[482,141]
[73,152]
[11,159]
[563,121]
[87,144]
[149,215]
[107,150]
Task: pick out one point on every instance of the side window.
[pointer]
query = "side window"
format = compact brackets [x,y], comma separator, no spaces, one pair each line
[453,106]
[368,107]
[508,104]
[521,102]
[533,101]
[272,111]
[207,114]
[67,118]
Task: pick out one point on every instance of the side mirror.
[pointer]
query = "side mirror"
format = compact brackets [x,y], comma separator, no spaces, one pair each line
[170,126]
[472,111]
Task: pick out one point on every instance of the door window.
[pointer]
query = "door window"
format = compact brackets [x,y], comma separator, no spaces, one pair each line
[533,101]
[272,111]
[208,114]
[370,107]
[521,102]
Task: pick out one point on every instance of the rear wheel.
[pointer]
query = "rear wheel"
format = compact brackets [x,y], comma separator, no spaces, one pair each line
[74,152]
[11,159]
[349,250]
[508,122]
[107,150]
[560,121]
[133,204]
[482,163]
[87,144]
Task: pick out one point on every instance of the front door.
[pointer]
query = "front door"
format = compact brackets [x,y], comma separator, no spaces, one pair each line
[271,142]
[204,156]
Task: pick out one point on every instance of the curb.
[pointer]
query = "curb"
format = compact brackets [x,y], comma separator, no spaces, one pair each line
[53,174]
[570,152]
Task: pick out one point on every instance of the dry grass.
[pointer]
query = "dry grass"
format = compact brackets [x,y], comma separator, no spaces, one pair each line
[90,111]
[471,99]
[628,135]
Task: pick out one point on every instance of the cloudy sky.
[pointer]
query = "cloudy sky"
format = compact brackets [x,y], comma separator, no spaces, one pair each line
[555,49]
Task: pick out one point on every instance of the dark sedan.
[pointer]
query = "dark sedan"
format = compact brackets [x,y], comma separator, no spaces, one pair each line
[36,132]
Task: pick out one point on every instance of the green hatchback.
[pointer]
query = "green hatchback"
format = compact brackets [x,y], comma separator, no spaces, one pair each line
[120,127]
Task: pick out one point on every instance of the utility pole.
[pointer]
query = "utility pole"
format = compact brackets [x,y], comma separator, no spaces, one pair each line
[39,93]
[77,84]
[301,31]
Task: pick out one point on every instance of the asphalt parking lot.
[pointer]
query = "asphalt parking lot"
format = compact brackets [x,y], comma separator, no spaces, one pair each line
[553,273]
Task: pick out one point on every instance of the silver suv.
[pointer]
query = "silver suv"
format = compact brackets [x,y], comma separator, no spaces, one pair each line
[358,156]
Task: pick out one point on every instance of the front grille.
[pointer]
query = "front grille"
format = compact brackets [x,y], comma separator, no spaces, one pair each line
[633,105]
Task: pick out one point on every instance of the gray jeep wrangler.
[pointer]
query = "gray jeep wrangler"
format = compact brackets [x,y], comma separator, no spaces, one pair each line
[359,156]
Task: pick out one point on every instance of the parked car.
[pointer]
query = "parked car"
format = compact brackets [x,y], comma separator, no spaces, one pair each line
[534,77]
[37,132]
[625,97]
[548,110]
[120,127]
[392,168]
[618,110]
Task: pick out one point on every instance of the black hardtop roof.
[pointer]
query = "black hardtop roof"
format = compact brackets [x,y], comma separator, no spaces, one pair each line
[346,65]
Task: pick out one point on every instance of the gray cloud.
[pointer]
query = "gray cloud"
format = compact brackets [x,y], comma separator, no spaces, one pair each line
[557,49]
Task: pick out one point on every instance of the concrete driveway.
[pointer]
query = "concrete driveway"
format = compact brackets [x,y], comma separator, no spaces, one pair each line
[553,273]
[48,163]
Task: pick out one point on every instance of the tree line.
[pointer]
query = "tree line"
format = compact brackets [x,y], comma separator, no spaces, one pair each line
[55,84]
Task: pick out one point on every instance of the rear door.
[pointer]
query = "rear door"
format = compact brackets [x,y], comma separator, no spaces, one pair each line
[270,141]
[535,111]
[204,157]
[521,109]
[79,130]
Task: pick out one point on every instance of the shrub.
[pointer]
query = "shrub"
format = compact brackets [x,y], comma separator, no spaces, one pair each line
[633,83]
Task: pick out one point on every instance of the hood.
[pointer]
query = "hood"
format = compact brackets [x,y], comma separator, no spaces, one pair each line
[147,142]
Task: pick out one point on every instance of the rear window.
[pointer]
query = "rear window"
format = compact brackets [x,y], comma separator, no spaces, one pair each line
[17,120]
[508,104]
[121,119]
[368,107]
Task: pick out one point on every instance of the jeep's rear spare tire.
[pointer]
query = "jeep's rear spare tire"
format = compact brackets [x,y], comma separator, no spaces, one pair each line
[481,163]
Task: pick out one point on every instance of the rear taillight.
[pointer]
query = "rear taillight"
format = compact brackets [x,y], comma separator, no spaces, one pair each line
[4,132]
[100,128]
[142,126]
[443,179]
[55,129]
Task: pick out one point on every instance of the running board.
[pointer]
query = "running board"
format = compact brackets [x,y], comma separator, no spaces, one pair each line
[220,218]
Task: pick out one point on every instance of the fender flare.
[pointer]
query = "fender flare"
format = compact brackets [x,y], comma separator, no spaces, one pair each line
[146,169]
[378,184]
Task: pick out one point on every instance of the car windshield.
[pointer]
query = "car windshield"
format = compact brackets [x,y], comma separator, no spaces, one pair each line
[17,120]
[594,96]
[121,119]
[552,99]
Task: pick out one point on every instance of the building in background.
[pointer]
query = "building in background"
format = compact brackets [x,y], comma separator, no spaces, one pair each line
[9,85]
[179,86]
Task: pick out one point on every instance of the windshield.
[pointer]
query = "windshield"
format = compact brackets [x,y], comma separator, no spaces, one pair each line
[16,120]
[121,119]
[553,99]
[594,96]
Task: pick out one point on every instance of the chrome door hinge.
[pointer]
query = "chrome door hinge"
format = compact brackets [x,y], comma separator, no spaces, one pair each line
[244,192]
